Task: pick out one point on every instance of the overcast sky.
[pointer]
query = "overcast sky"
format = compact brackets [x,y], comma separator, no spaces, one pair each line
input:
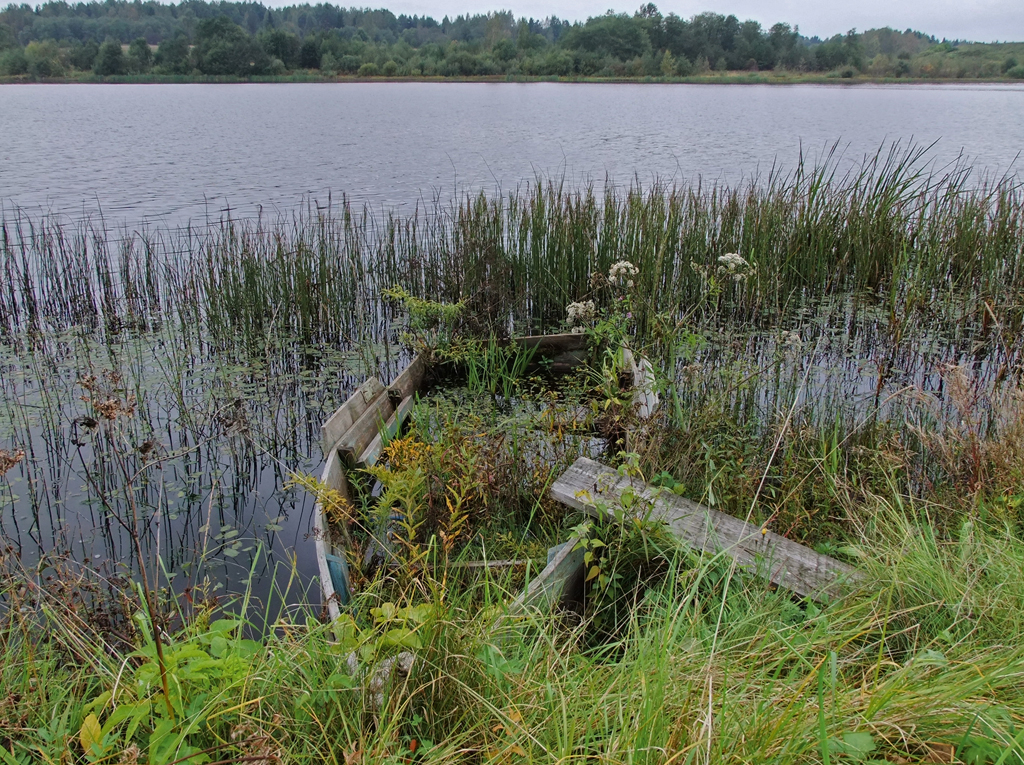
[981,20]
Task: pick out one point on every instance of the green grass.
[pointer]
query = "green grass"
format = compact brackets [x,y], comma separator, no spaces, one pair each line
[924,657]
[859,391]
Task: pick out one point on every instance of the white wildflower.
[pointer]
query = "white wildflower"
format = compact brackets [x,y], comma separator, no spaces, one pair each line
[578,330]
[582,312]
[621,273]
[734,266]
[732,261]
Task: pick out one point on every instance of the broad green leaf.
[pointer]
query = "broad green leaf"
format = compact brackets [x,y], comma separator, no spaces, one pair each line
[91,736]
[97,703]
[403,638]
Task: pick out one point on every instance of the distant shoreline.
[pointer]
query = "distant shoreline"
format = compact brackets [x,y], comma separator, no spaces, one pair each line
[728,78]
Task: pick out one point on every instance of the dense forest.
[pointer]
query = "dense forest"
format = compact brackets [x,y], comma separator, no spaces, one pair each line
[245,39]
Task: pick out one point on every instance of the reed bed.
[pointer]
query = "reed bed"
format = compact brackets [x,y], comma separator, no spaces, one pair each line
[910,234]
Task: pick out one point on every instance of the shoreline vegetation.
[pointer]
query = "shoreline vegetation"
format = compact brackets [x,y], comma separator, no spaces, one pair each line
[248,41]
[718,78]
[838,356]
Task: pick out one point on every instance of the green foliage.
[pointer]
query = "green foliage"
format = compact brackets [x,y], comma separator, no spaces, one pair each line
[223,47]
[200,665]
[44,59]
[432,325]
[140,58]
[13,62]
[173,57]
[83,57]
[281,44]
[7,38]
[495,368]
[110,59]
[611,45]
[624,547]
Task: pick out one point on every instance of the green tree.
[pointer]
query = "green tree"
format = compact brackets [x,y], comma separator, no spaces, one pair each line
[621,36]
[140,57]
[223,47]
[13,62]
[309,54]
[668,65]
[8,39]
[110,59]
[83,56]
[44,59]
[504,50]
[280,44]
[172,57]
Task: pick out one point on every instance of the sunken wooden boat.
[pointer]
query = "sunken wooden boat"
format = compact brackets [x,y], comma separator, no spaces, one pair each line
[355,435]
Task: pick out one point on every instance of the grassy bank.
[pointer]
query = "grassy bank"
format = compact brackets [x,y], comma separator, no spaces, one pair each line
[838,357]
[711,78]
[921,665]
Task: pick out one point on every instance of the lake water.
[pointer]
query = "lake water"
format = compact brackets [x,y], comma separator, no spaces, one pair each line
[175,153]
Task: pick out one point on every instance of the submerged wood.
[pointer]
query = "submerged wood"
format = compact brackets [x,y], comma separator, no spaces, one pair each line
[758,551]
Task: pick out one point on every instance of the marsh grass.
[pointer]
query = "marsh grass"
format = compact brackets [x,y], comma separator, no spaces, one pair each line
[923,660]
[860,390]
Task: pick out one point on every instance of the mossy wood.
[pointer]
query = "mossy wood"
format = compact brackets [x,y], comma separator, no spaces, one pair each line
[588,484]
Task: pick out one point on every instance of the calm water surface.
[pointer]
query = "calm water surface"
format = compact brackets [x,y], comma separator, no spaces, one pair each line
[174,153]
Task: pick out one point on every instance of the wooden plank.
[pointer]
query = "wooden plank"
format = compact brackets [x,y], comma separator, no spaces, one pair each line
[355,440]
[555,583]
[372,452]
[470,564]
[757,551]
[334,476]
[552,345]
[411,380]
[343,419]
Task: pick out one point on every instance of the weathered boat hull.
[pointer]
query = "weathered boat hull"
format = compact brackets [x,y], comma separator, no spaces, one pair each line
[353,437]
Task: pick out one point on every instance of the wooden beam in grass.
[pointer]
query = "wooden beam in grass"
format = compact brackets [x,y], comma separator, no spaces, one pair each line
[758,551]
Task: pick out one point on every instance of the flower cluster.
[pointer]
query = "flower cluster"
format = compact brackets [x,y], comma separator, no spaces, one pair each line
[583,312]
[622,273]
[735,267]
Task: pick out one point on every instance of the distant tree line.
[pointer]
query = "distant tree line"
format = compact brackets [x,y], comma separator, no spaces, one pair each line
[195,37]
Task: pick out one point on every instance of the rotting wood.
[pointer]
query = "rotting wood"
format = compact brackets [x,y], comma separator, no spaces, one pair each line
[470,564]
[545,344]
[354,442]
[409,382]
[563,352]
[757,551]
[391,428]
[556,583]
[343,419]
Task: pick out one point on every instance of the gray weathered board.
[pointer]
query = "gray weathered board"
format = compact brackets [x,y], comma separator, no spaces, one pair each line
[764,553]
[556,583]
